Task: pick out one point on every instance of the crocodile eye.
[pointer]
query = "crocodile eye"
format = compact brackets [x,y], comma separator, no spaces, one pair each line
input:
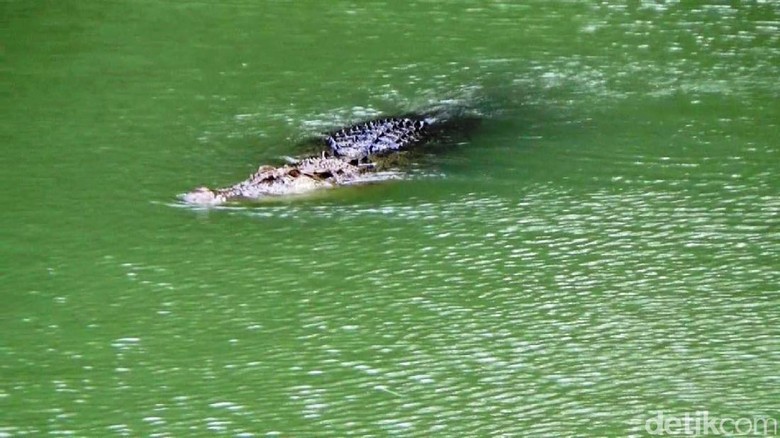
[294,173]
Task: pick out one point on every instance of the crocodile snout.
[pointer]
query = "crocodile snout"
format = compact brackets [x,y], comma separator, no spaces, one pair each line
[201,196]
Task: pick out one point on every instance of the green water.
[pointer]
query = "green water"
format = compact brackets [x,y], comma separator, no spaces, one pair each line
[605,247]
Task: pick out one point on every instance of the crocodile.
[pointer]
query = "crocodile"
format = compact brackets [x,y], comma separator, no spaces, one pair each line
[347,156]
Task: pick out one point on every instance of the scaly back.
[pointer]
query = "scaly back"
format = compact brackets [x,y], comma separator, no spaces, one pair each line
[377,137]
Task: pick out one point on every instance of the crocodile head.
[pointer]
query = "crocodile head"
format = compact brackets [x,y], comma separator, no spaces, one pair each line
[305,176]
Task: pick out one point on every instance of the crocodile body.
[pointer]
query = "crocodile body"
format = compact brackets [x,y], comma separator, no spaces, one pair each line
[377,137]
[348,157]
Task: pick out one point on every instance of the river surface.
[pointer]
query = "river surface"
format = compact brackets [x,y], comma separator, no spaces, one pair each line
[603,250]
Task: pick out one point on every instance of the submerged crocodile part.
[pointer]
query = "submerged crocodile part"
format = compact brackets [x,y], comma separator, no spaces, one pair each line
[350,157]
